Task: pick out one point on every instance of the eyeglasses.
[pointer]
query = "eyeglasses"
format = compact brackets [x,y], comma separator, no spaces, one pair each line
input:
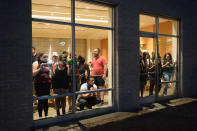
[45,56]
[91,80]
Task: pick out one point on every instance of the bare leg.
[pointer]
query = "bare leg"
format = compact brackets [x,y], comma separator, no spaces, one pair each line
[101,94]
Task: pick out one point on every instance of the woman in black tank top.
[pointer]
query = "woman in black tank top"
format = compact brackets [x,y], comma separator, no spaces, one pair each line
[60,84]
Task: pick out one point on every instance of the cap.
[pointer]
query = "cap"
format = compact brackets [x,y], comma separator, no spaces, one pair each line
[55,54]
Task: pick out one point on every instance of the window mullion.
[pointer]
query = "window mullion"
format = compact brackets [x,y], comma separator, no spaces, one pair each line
[73,55]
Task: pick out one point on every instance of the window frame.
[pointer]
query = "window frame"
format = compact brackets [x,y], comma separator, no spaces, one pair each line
[74,93]
[156,36]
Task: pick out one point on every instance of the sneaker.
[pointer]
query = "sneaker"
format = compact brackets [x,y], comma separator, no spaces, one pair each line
[164,94]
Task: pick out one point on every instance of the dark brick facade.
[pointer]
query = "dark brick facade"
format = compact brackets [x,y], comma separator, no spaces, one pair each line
[15,55]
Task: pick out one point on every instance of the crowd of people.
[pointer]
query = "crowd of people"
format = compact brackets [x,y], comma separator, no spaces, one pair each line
[56,76]
[148,68]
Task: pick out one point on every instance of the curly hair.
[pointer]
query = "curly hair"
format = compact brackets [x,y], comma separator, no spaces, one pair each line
[164,58]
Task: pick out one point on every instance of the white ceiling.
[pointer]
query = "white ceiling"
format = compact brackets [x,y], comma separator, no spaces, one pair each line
[60,10]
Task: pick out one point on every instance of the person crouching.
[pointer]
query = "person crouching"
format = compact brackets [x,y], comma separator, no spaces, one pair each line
[88,99]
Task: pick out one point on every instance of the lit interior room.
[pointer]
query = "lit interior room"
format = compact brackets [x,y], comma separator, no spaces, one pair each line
[166,44]
[54,38]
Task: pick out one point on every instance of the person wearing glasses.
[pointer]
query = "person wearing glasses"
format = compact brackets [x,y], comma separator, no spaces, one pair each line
[42,78]
[89,99]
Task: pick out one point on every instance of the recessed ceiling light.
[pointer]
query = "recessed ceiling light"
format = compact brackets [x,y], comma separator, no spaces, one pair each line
[87,7]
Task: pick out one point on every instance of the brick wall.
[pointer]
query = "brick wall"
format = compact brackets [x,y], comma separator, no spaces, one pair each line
[15,47]
[15,66]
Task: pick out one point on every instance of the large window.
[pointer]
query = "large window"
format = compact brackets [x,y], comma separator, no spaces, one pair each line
[71,57]
[158,56]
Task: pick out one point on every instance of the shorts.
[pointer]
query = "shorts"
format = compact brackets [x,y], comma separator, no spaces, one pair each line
[60,91]
[99,81]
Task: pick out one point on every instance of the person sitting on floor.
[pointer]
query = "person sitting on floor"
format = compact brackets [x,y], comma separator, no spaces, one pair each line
[88,99]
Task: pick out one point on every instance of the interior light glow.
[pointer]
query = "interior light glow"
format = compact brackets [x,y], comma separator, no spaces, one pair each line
[66,18]
[66,13]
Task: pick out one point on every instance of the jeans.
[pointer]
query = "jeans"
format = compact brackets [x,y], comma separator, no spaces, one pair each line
[166,76]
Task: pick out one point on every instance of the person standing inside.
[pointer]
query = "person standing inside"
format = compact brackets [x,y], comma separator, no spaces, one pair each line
[167,68]
[99,71]
[60,84]
[41,74]
[34,54]
[143,72]
[83,68]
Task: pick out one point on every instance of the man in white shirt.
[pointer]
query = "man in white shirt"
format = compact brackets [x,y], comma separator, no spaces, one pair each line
[88,99]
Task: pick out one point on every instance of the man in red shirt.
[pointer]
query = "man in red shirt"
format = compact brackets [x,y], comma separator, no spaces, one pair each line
[99,71]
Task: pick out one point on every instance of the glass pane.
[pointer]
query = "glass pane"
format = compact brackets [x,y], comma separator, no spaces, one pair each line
[147,23]
[93,14]
[168,52]
[167,89]
[51,72]
[93,61]
[167,26]
[58,10]
[147,66]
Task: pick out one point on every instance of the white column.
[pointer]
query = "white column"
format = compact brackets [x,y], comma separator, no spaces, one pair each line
[110,58]
[88,51]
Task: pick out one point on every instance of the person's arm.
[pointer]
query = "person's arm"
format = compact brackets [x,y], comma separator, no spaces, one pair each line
[83,88]
[105,68]
[152,65]
[85,95]
[105,71]
[88,70]
[164,65]
[35,68]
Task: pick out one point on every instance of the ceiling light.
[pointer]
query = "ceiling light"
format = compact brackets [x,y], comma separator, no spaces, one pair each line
[66,18]
[69,14]
[87,7]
